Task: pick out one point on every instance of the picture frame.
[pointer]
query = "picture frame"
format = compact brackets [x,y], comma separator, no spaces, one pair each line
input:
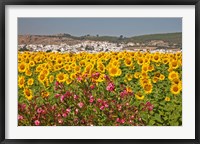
[3,55]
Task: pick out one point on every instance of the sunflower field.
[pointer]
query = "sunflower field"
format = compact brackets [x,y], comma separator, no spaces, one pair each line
[99,89]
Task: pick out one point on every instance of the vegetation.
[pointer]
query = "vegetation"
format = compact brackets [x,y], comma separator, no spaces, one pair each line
[100,89]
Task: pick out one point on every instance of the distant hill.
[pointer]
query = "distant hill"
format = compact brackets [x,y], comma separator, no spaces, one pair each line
[167,37]
[69,39]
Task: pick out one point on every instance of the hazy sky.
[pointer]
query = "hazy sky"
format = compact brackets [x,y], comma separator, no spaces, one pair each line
[102,26]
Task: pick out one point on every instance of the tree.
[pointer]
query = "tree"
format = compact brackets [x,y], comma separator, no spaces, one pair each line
[121,37]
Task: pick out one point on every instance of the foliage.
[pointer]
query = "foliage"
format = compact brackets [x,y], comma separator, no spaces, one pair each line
[100,89]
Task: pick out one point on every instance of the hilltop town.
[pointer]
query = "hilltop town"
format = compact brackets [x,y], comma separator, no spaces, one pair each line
[92,44]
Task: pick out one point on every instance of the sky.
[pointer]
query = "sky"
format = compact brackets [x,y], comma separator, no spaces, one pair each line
[102,26]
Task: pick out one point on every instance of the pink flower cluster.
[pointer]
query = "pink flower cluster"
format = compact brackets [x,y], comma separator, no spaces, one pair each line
[122,121]
[91,99]
[148,106]
[62,97]
[102,104]
[110,87]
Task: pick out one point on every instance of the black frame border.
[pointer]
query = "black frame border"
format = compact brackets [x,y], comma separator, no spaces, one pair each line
[3,4]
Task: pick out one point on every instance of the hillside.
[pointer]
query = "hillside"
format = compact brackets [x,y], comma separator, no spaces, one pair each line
[168,37]
[70,40]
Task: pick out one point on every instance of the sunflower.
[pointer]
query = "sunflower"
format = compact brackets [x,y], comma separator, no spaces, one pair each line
[129,77]
[82,63]
[101,78]
[136,75]
[128,89]
[73,65]
[30,81]
[38,68]
[22,67]
[148,88]
[67,67]
[101,67]
[45,72]
[28,93]
[45,94]
[175,80]
[145,68]
[140,61]
[174,64]
[21,81]
[128,62]
[175,89]
[165,60]
[114,71]
[28,72]
[167,99]
[156,57]
[46,83]
[172,75]
[37,59]
[88,67]
[77,69]
[144,75]
[150,68]
[59,61]
[51,78]
[144,81]
[157,74]
[72,76]
[20,59]
[68,81]
[139,96]
[41,78]
[162,77]
[155,79]
[32,63]
[60,77]
[115,63]
[120,56]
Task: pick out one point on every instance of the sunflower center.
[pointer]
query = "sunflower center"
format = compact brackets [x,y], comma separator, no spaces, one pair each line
[147,87]
[113,70]
[21,81]
[42,77]
[22,67]
[174,64]
[28,93]
[173,75]
[128,62]
[61,77]
[175,89]
[156,57]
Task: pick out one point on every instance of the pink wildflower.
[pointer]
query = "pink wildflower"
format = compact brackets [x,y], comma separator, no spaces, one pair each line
[39,110]
[75,97]
[57,95]
[60,121]
[23,106]
[68,110]
[37,122]
[64,115]
[20,117]
[122,121]
[91,100]
[80,104]
[92,87]
[62,98]
[99,100]
[102,107]
[76,111]
[118,120]
[110,87]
